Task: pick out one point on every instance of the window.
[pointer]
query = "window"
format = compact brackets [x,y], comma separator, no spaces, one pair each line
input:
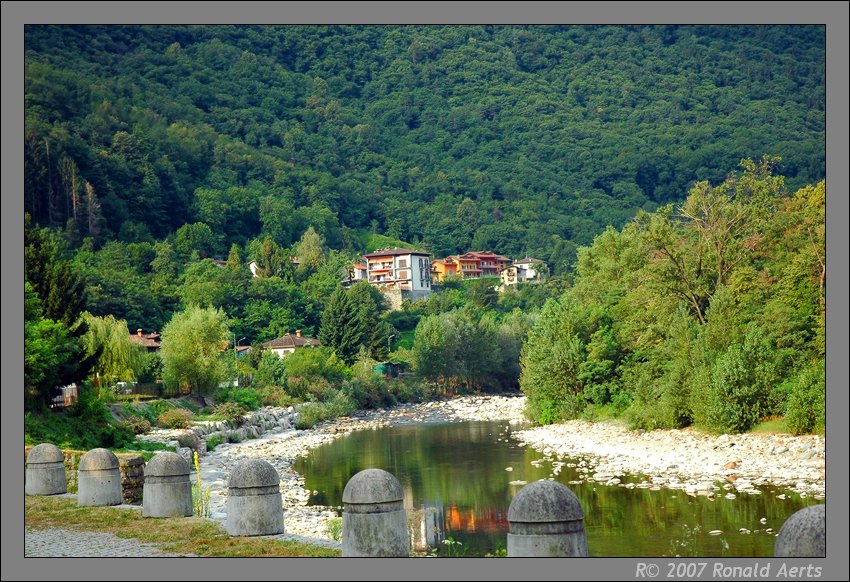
[404,274]
[402,263]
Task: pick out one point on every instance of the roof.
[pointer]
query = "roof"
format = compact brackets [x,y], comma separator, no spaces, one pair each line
[528,261]
[291,340]
[488,255]
[395,252]
[148,340]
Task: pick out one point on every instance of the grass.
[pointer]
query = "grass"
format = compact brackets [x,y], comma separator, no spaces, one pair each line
[373,242]
[406,339]
[771,426]
[185,535]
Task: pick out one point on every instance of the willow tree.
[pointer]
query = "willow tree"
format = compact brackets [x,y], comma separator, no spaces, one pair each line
[117,358]
[192,343]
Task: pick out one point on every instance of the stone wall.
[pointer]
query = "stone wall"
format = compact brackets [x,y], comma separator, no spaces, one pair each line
[132,468]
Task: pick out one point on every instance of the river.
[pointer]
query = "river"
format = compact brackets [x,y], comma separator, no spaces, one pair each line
[460,477]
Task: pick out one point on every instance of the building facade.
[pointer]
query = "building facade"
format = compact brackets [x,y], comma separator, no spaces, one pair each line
[400,270]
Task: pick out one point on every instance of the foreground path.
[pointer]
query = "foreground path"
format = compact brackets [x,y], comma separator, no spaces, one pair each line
[65,543]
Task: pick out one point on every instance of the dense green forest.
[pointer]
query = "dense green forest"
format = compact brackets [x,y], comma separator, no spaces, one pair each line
[521,139]
[686,286]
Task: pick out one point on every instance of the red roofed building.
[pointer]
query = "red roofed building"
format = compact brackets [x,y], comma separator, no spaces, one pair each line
[150,341]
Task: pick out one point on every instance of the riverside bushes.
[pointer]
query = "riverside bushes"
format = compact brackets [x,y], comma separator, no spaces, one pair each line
[702,313]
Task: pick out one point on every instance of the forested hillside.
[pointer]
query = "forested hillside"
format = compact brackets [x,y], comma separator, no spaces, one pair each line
[524,140]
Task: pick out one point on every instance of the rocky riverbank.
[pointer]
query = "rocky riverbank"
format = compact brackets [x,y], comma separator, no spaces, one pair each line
[604,453]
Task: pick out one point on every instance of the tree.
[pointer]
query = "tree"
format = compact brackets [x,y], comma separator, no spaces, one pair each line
[192,343]
[551,363]
[273,261]
[60,287]
[310,250]
[118,358]
[50,353]
[342,326]
[370,303]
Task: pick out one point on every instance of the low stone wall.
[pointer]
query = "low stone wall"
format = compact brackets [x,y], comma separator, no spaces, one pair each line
[132,468]
[256,424]
[132,472]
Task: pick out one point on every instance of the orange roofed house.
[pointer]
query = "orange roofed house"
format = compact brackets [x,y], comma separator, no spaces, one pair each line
[471,265]
[403,270]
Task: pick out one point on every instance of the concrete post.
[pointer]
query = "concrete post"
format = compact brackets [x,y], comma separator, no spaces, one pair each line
[374,523]
[546,520]
[254,504]
[803,535]
[45,471]
[99,481]
[167,490]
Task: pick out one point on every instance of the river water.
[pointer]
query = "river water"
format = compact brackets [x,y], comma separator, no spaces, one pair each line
[459,479]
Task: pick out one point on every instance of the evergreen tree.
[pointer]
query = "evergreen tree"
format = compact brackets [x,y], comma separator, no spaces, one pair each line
[342,328]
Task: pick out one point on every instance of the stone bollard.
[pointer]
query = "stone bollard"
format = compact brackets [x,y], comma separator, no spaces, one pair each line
[45,471]
[254,504]
[546,520]
[374,523]
[167,490]
[803,535]
[99,481]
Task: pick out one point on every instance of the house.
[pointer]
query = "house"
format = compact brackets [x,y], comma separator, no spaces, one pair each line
[403,271]
[289,343]
[513,275]
[443,267]
[467,265]
[531,266]
[149,341]
[490,263]
[471,265]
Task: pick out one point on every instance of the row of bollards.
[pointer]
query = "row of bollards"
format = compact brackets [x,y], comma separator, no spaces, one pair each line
[545,518]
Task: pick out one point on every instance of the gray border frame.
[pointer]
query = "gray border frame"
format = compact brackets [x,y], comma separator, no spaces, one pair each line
[15,14]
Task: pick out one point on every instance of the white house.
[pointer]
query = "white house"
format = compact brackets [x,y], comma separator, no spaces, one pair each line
[529,263]
[289,343]
[400,270]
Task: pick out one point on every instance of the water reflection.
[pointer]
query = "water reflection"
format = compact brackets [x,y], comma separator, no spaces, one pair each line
[459,479]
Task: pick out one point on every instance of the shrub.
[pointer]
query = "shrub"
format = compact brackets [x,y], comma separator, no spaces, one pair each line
[309,415]
[334,528]
[806,408]
[213,441]
[248,399]
[231,412]
[339,404]
[175,418]
[275,396]
[741,385]
[137,424]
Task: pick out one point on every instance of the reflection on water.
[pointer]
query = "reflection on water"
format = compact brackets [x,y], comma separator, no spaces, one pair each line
[459,480]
